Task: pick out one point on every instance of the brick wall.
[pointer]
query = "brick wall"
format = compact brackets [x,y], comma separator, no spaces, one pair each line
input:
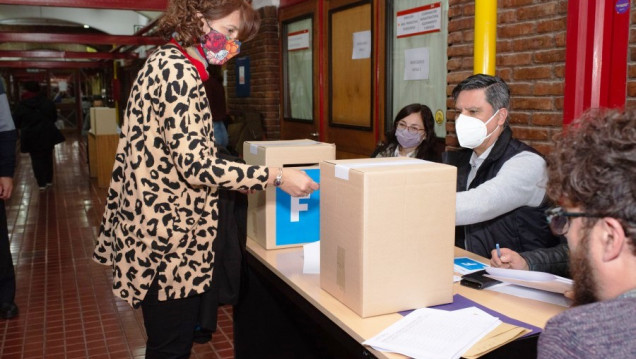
[530,58]
[263,52]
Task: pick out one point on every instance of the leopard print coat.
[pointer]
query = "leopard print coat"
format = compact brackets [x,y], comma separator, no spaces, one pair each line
[161,209]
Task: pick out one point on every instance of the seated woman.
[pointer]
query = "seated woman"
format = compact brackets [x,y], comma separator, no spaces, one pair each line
[412,135]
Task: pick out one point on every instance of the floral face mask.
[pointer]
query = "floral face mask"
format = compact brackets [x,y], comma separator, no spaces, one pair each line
[219,48]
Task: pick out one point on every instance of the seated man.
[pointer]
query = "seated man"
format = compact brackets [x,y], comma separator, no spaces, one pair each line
[592,174]
[500,180]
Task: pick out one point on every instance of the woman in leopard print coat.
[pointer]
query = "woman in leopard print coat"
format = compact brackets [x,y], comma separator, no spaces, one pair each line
[161,211]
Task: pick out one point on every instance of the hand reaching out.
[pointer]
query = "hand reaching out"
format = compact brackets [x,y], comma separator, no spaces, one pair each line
[296,183]
[6,186]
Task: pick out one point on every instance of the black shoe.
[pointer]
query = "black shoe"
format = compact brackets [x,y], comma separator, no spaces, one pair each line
[9,310]
[202,336]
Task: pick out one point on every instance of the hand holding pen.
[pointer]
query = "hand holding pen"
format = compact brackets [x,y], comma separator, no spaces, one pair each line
[507,258]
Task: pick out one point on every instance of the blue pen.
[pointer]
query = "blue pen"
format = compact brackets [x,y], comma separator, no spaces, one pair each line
[498,250]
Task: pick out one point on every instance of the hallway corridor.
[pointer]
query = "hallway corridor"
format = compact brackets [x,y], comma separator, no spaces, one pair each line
[67,309]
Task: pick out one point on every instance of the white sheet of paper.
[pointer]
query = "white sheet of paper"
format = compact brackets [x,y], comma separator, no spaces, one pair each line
[311,258]
[530,293]
[538,280]
[419,20]
[416,64]
[361,45]
[434,333]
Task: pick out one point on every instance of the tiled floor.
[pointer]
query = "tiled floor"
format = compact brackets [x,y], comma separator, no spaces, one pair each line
[67,309]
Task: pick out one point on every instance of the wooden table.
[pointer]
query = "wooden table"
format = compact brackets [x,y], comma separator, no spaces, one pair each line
[285,314]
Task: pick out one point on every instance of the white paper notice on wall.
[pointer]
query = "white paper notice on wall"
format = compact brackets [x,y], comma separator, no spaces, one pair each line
[418,21]
[298,40]
[241,75]
[416,64]
[361,45]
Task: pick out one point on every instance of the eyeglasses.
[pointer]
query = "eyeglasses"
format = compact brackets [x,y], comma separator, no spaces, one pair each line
[559,220]
[411,129]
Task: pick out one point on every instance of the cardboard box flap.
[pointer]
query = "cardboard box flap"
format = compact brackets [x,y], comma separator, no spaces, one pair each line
[342,169]
[254,145]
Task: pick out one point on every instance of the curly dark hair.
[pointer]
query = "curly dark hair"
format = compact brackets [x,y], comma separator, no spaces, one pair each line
[181,21]
[593,166]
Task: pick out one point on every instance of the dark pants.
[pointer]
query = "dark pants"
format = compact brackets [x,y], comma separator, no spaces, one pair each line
[42,163]
[169,324]
[7,273]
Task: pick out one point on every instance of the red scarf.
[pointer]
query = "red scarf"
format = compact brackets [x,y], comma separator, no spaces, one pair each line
[201,67]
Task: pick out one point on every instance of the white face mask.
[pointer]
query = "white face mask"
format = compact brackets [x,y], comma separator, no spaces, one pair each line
[471,131]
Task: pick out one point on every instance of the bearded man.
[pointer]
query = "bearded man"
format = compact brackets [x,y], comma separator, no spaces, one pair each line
[592,175]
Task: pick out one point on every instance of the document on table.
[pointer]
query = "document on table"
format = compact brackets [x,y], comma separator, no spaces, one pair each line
[465,265]
[311,258]
[503,334]
[531,293]
[537,280]
[435,334]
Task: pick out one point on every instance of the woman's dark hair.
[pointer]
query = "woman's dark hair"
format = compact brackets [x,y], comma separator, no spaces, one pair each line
[181,21]
[426,149]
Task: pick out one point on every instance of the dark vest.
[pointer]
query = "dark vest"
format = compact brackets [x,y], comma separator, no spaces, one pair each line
[522,229]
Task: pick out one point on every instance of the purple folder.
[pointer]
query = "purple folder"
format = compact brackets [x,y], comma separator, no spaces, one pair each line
[460,302]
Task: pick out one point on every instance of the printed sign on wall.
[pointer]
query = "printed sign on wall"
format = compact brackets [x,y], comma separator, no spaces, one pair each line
[419,20]
[298,40]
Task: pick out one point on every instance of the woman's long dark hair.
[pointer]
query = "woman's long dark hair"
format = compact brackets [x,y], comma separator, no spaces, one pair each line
[426,149]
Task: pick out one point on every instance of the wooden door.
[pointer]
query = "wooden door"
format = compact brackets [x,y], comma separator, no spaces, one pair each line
[337,42]
[353,100]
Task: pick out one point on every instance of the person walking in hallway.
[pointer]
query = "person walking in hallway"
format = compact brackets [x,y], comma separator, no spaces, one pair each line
[8,308]
[35,116]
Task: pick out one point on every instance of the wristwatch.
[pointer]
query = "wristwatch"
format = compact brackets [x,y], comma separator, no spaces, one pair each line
[279,177]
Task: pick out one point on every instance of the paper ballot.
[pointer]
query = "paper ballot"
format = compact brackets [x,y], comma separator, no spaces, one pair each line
[538,280]
[435,334]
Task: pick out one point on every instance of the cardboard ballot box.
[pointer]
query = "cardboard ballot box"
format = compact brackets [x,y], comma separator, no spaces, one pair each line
[102,144]
[274,218]
[387,232]
[103,121]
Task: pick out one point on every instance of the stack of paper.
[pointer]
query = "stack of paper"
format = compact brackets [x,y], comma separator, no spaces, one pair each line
[531,279]
[434,333]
